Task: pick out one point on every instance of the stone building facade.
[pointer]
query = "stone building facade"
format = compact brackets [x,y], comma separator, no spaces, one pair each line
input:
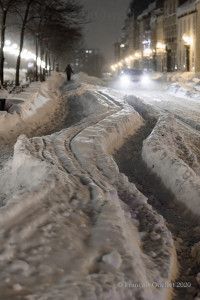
[162,35]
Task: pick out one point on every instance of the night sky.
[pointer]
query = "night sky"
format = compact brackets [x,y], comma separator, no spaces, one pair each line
[107,18]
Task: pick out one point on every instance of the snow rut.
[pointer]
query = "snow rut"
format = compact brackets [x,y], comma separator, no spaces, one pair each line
[170,150]
[71,224]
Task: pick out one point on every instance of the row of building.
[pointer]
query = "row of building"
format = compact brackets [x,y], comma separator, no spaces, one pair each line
[87,60]
[163,35]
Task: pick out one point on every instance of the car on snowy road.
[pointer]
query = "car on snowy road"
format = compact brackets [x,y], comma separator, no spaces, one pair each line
[129,76]
[132,75]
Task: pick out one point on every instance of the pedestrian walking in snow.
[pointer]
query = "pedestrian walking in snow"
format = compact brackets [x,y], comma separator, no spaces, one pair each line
[3,96]
[69,72]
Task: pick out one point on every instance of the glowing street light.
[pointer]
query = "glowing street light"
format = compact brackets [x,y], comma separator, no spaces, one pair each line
[137,55]
[147,52]
[188,40]
[160,46]
[7,42]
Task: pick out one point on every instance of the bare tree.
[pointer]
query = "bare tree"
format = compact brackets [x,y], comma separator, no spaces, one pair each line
[45,14]
[6,6]
[24,14]
[58,24]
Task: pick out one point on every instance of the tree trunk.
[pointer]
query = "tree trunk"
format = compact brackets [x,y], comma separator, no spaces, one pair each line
[49,65]
[2,58]
[22,42]
[41,56]
[36,54]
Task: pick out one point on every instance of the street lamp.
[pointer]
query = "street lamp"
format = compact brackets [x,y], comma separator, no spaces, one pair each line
[137,55]
[188,42]
[147,52]
[160,47]
[7,42]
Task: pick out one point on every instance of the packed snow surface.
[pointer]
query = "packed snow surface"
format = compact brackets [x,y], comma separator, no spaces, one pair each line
[170,155]
[72,226]
[172,149]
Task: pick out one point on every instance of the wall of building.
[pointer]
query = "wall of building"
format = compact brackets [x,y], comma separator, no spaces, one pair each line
[159,29]
[187,28]
[197,60]
[170,34]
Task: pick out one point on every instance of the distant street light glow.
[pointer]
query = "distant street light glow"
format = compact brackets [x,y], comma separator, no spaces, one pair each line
[160,46]
[147,52]
[7,42]
[137,55]
[25,54]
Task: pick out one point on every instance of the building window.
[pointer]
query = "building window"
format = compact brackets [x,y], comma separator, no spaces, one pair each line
[180,29]
[194,25]
[188,25]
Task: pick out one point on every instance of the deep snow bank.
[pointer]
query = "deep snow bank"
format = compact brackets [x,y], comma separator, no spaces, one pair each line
[39,101]
[75,228]
[184,84]
[185,91]
[168,154]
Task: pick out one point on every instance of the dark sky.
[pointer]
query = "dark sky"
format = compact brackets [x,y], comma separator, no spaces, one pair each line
[107,18]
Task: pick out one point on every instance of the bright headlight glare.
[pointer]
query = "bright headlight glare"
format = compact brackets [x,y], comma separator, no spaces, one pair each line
[125,79]
[145,79]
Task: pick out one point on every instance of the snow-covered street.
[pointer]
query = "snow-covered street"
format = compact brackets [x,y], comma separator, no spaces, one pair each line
[100,191]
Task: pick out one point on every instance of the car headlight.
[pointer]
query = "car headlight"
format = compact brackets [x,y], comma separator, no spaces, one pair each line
[125,79]
[145,79]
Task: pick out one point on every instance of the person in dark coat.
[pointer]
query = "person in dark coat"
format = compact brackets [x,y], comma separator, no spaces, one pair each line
[69,72]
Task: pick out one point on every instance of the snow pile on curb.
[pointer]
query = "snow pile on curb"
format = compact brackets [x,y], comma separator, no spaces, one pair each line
[183,91]
[168,155]
[180,76]
[184,84]
[80,230]
[39,102]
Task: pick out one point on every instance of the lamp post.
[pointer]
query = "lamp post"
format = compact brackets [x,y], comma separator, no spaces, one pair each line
[160,51]
[188,41]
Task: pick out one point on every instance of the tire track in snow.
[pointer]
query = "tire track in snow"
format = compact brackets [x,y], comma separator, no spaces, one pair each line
[183,225]
[61,141]
[69,204]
